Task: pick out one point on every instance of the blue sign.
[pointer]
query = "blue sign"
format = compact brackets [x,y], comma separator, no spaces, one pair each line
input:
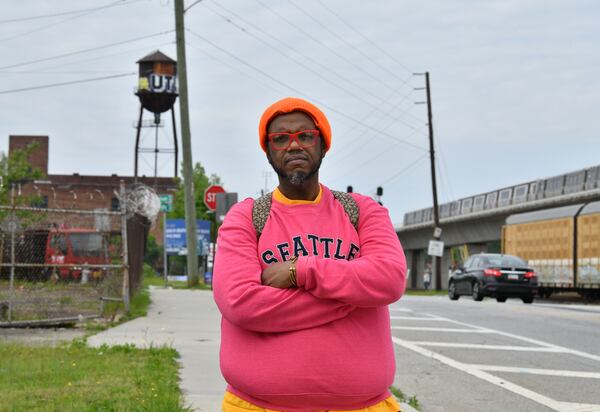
[176,242]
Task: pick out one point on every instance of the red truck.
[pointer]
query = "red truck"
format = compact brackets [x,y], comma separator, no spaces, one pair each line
[77,247]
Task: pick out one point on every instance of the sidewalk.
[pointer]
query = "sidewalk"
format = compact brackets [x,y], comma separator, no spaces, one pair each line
[188,321]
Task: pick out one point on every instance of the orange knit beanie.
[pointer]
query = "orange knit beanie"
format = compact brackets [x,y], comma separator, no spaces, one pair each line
[294,104]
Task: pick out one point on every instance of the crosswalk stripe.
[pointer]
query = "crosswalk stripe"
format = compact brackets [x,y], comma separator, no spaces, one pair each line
[534,371]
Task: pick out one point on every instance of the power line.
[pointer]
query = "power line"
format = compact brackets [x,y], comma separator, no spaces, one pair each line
[81,14]
[355,148]
[37,72]
[308,58]
[60,56]
[303,94]
[347,43]
[64,13]
[406,169]
[233,67]
[363,36]
[446,175]
[320,42]
[356,168]
[47,86]
[307,67]
[105,56]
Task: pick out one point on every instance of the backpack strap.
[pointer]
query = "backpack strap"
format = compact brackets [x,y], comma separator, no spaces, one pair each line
[260,212]
[350,206]
[262,208]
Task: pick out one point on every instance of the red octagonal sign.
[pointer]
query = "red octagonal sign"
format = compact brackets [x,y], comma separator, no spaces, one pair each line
[210,196]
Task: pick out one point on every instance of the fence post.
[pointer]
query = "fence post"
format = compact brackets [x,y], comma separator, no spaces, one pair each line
[13,228]
[125,252]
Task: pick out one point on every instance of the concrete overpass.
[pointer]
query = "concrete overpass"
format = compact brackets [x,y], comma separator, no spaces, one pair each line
[480,231]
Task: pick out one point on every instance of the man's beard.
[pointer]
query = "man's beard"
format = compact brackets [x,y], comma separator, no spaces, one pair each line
[297,177]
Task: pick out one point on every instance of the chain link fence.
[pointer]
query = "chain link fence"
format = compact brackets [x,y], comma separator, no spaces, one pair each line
[58,265]
[64,265]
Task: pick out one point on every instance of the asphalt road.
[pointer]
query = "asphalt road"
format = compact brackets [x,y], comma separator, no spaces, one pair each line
[487,356]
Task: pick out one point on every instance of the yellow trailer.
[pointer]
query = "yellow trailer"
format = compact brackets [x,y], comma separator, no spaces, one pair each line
[588,246]
[561,244]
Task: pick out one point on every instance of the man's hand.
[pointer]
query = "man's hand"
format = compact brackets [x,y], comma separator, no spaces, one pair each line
[277,275]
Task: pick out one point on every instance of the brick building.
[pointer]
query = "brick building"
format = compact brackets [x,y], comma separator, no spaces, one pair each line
[77,191]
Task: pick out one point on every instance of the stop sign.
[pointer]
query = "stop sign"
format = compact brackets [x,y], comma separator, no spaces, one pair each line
[210,196]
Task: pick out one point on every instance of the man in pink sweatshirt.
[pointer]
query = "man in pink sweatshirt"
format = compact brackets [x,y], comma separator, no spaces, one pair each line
[305,321]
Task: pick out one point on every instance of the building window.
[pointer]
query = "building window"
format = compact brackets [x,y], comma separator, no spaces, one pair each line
[114,204]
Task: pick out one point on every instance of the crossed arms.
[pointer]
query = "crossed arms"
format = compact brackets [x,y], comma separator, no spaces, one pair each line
[328,289]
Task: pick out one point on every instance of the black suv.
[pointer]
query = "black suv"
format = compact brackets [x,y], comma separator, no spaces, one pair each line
[494,275]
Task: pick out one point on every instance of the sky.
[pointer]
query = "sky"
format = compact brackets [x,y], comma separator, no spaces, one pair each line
[515,89]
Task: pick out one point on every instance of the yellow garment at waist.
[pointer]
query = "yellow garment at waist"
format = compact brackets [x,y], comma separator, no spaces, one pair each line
[232,403]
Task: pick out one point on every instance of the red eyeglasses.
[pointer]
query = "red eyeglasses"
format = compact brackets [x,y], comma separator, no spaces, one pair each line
[304,139]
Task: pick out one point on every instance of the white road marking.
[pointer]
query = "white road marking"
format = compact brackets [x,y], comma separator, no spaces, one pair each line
[400,310]
[581,407]
[479,370]
[487,347]
[534,371]
[524,339]
[456,330]
[534,396]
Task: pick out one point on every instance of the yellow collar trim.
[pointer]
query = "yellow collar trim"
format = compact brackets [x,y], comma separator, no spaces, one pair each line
[280,197]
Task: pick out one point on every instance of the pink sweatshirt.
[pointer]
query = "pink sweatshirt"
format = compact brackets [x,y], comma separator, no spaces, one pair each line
[326,344]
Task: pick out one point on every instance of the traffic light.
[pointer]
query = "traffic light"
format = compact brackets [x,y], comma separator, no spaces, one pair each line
[379,191]
[349,189]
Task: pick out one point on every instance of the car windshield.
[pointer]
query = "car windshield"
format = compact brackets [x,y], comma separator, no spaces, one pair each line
[502,261]
[87,244]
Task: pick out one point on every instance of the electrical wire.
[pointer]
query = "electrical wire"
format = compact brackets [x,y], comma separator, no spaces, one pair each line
[93,10]
[302,64]
[47,86]
[347,43]
[268,86]
[354,148]
[406,169]
[320,42]
[443,168]
[60,56]
[352,119]
[104,56]
[351,27]
[38,72]
[64,13]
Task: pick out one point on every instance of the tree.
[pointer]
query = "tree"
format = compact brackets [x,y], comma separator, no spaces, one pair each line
[16,169]
[201,182]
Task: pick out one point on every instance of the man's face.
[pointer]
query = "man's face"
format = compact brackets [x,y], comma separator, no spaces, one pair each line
[295,164]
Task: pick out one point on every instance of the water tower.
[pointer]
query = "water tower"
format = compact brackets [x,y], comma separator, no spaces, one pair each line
[157,91]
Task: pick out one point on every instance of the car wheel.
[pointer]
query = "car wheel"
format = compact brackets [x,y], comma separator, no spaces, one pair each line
[501,299]
[477,296]
[452,291]
[527,299]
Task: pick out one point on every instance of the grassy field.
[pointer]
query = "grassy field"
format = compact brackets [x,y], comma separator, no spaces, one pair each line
[78,378]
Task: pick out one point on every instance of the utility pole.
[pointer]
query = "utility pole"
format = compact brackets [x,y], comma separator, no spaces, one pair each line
[437,232]
[188,182]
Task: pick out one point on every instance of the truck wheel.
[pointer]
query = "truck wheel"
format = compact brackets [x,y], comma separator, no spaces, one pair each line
[501,299]
[477,296]
[452,291]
